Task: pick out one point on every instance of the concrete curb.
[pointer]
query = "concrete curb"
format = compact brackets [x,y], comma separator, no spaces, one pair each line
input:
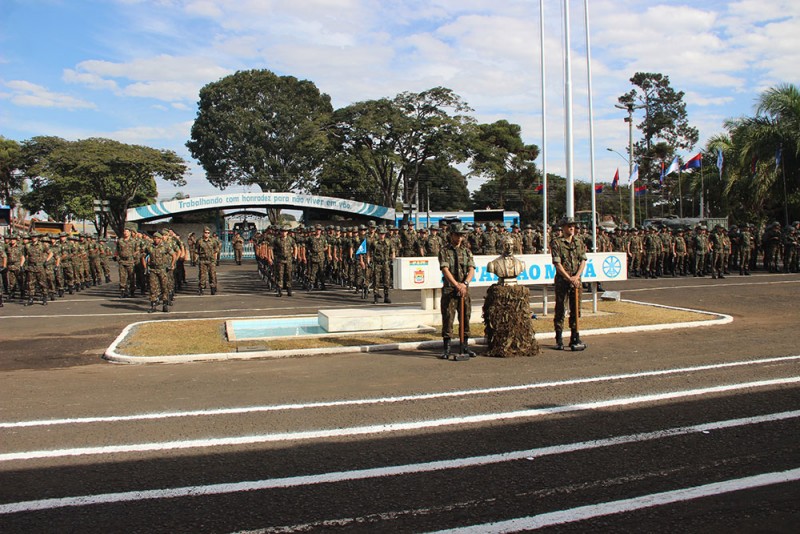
[114,356]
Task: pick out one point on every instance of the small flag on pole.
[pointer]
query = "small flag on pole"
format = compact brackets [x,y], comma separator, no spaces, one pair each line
[598,188]
[539,189]
[674,166]
[615,181]
[634,175]
[362,248]
[639,191]
[693,163]
[720,161]
[661,176]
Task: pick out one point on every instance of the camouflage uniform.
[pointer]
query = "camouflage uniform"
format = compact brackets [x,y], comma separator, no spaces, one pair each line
[380,255]
[14,252]
[158,258]
[207,253]
[283,250]
[126,258]
[317,248]
[458,260]
[36,254]
[570,255]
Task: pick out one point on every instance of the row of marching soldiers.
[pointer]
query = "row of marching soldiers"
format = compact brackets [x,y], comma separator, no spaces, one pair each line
[51,265]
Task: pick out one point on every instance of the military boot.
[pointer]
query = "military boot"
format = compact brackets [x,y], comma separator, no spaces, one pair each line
[213,290]
[445,355]
[165,307]
[289,291]
[575,342]
[30,301]
[60,293]
[152,307]
[108,279]
[559,341]
[44,299]
[375,297]
[280,293]
[466,350]
[386,298]
[202,290]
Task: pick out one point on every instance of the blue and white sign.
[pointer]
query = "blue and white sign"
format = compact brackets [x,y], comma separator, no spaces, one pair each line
[161,210]
[424,273]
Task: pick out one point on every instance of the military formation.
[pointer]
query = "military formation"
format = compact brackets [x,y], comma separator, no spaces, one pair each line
[42,267]
[659,251]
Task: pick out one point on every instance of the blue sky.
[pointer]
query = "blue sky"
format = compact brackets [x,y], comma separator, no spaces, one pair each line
[131,70]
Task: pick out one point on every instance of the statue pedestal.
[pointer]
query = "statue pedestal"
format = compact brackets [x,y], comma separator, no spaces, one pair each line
[507,318]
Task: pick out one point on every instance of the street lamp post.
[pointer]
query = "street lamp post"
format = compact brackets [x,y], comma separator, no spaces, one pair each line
[629,119]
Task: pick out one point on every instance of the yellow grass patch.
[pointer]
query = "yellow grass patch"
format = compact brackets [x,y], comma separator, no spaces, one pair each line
[208,336]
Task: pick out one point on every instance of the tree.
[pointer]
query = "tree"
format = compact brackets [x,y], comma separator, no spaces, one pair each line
[393,139]
[665,127]
[10,179]
[500,155]
[67,176]
[257,128]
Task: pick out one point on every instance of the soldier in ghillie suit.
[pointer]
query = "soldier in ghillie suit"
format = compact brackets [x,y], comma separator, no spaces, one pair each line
[569,259]
[458,267]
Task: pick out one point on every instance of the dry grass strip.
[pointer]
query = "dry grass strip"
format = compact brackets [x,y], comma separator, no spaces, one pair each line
[208,336]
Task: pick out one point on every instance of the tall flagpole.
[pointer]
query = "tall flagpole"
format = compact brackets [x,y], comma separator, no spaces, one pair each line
[545,242]
[591,125]
[568,114]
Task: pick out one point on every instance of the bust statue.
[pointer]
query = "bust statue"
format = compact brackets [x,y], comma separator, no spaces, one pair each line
[506,266]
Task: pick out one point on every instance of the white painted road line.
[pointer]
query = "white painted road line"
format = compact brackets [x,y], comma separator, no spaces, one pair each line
[582,513]
[384,428]
[363,474]
[389,400]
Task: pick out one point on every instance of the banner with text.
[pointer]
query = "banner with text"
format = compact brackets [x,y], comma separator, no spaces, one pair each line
[161,210]
[424,273]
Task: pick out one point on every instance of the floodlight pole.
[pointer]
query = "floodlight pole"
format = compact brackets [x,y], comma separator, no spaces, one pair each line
[629,120]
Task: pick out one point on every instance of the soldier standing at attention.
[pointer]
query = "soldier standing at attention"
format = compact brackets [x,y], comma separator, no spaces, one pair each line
[207,251]
[284,252]
[238,247]
[458,267]
[569,259]
[159,258]
[408,241]
[33,261]
[190,241]
[717,249]
[3,267]
[489,241]
[379,254]
[14,272]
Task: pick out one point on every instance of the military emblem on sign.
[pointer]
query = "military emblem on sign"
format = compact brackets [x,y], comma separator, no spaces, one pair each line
[612,267]
[419,276]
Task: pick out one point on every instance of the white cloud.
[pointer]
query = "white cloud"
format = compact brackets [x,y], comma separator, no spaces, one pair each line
[29,94]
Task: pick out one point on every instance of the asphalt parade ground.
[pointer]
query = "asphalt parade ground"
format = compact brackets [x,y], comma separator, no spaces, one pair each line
[692,430]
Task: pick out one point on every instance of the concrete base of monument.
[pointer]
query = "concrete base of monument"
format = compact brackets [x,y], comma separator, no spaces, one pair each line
[356,320]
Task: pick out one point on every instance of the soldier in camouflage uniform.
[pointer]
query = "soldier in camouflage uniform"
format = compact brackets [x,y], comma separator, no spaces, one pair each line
[380,256]
[701,249]
[717,251]
[318,251]
[14,252]
[434,244]
[635,251]
[35,256]
[207,254]
[679,254]
[528,240]
[3,268]
[49,267]
[569,259]
[771,242]
[159,260]
[126,256]
[238,248]
[746,247]
[284,252]
[489,241]
[652,248]
[409,241]
[790,243]
[458,267]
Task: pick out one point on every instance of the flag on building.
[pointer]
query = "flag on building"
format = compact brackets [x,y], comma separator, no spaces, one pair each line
[615,181]
[674,166]
[362,248]
[639,191]
[539,189]
[693,163]
[634,175]
[598,188]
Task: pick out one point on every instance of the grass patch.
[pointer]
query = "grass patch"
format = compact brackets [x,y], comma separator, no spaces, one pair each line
[208,336]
